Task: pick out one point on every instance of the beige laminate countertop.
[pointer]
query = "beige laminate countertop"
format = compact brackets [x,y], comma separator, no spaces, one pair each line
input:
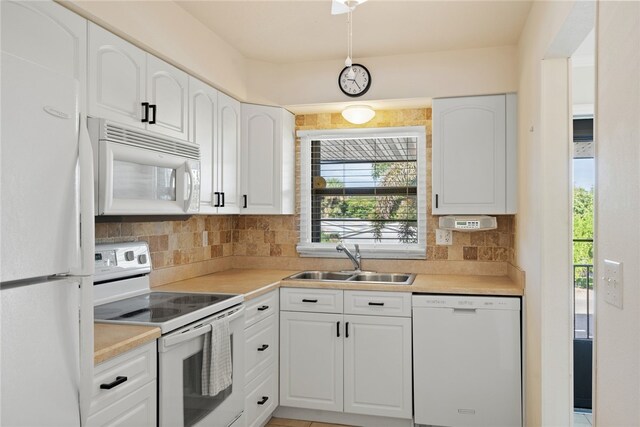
[111,340]
[253,283]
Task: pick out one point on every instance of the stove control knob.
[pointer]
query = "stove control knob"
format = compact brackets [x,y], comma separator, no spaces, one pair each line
[128,255]
[142,259]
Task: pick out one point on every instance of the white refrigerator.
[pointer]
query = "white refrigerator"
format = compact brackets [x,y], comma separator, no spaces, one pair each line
[46,218]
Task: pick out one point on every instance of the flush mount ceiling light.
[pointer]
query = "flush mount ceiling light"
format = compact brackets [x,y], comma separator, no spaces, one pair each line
[358,114]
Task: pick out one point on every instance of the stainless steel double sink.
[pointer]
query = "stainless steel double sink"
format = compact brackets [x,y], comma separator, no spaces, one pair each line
[354,276]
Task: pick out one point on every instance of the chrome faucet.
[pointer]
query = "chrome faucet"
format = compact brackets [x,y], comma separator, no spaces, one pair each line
[356,260]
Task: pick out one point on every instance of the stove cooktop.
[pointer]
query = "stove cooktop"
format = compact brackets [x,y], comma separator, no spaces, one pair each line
[168,310]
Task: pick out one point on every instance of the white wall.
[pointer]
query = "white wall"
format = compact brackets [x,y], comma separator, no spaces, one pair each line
[618,202]
[166,30]
[542,220]
[428,75]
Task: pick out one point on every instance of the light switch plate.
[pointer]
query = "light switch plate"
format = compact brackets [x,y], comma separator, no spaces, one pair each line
[444,237]
[612,280]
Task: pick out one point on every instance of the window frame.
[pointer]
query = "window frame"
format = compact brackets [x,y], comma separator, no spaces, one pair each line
[307,248]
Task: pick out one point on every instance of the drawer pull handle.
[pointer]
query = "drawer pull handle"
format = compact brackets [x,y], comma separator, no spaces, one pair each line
[379,304]
[263,400]
[263,347]
[309,300]
[263,307]
[346,330]
[338,329]
[117,382]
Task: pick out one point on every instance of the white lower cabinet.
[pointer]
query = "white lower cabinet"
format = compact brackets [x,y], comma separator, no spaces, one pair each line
[134,409]
[125,389]
[377,366]
[351,363]
[311,360]
[261,359]
[262,398]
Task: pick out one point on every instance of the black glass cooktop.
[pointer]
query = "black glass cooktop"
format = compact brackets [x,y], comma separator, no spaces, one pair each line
[156,307]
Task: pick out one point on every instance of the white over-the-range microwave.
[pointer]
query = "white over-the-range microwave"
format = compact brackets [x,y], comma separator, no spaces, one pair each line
[141,173]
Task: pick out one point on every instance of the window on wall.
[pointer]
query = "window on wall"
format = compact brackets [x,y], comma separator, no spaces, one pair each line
[364,186]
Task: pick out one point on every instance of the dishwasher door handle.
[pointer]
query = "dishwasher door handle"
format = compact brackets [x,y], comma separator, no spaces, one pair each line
[465,310]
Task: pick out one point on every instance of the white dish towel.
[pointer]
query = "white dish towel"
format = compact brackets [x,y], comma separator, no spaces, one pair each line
[217,366]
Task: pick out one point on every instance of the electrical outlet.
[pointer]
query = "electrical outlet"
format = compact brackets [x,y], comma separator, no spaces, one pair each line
[205,238]
[444,237]
[612,280]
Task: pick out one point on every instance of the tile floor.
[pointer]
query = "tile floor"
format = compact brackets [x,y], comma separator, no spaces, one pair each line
[284,422]
[581,419]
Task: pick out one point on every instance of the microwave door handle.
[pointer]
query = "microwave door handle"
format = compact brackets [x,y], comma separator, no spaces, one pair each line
[189,173]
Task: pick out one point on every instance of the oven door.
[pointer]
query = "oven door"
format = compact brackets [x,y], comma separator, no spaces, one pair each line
[138,181]
[181,403]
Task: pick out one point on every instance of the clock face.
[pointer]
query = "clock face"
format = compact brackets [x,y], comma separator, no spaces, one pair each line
[357,84]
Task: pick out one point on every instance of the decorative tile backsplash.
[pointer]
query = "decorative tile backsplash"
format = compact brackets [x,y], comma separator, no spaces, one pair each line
[174,242]
[252,238]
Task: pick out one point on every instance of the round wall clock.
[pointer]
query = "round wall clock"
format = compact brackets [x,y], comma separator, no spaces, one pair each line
[356,84]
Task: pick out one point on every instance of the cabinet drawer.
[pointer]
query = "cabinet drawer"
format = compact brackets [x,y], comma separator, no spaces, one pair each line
[378,303]
[314,300]
[261,347]
[262,398]
[135,409]
[260,308]
[138,366]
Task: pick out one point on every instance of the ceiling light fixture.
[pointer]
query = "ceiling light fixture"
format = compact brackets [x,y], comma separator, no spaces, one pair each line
[358,114]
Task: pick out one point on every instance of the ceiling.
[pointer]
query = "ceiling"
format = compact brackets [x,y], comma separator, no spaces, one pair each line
[285,31]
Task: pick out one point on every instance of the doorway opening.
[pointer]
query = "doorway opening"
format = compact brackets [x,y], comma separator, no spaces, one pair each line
[583,180]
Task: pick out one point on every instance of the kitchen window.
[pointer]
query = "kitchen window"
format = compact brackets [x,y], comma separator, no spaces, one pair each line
[364,186]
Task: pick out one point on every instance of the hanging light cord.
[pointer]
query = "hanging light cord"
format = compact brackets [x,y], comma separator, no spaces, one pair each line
[349,61]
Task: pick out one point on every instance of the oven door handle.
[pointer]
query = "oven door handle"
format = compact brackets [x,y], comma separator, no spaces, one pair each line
[195,331]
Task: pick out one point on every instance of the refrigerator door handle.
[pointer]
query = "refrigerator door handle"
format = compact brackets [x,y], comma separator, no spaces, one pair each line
[87,222]
[87,251]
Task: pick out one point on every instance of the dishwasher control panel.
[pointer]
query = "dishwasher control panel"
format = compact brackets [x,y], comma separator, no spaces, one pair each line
[466,302]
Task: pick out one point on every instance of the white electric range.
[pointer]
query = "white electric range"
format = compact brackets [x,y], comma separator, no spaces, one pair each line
[122,294]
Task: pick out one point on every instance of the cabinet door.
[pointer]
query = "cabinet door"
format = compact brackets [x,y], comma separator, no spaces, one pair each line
[116,78]
[167,89]
[469,155]
[135,409]
[261,165]
[203,107]
[228,176]
[377,366]
[49,35]
[311,360]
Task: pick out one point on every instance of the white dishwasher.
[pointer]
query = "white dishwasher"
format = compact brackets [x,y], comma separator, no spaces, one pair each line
[467,361]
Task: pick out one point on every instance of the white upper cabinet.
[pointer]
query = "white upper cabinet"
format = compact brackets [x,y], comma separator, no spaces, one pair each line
[474,155]
[227,180]
[167,92]
[268,160]
[117,73]
[203,106]
[130,86]
[215,126]
[46,34]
